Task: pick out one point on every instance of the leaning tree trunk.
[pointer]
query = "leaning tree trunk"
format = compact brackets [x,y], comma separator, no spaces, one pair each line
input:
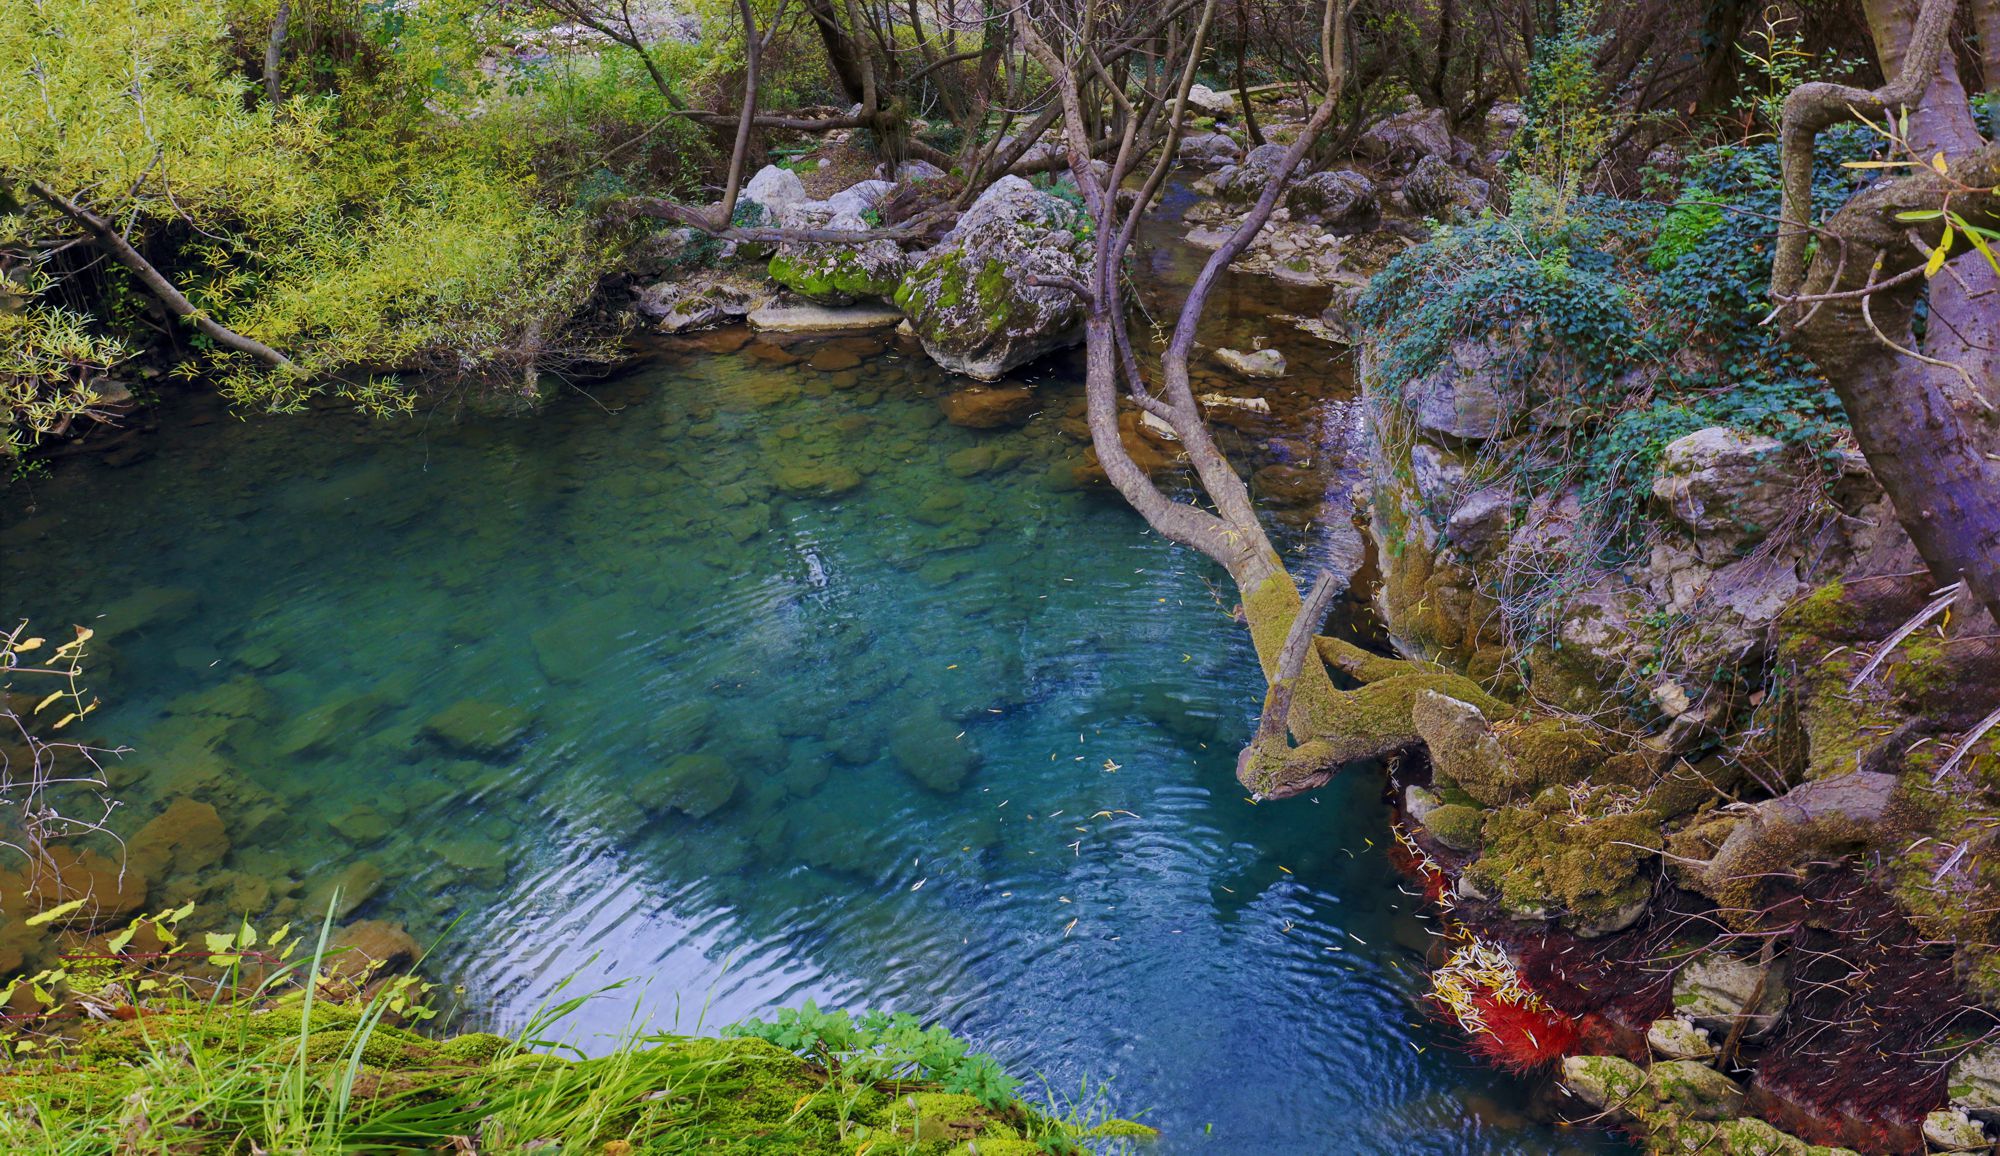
[1926,412]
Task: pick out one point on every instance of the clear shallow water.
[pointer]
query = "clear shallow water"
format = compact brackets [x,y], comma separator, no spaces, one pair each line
[962,736]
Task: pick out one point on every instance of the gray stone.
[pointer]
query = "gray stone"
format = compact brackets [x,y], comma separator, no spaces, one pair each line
[1209,150]
[1419,802]
[1730,489]
[1470,394]
[1606,1083]
[1336,199]
[859,197]
[1477,525]
[1209,101]
[1975,1084]
[1950,1130]
[1435,189]
[1258,363]
[702,300]
[838,273]
[1695,1090]
[1675,1038]
[1401,141]
[1439,474]
[1714,990]
[913,172]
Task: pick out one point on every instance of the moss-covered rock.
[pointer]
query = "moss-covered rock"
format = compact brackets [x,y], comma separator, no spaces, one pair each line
[1456,826]
[1576,852]
[974,301]
[834,273]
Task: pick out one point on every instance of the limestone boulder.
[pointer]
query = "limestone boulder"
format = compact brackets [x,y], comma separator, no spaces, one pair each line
[1676,1038]
[777,190]
[1975,1084]
[1399,142]
[1208,150]
[1472,394]
[702,300]
[1607,1083]
[1729,489]
[1210,102]
[1339,199]
[1241,184]
[1950,1130]
[859,197]
[1695,1091]
[973,301]
[1435,189]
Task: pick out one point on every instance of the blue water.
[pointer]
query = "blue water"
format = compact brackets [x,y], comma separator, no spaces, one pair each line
[964,735]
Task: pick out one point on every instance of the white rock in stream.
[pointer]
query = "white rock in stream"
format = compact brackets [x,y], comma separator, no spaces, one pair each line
[799,318]
[1262,363]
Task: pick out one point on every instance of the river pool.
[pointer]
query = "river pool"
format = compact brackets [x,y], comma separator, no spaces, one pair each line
[748,679]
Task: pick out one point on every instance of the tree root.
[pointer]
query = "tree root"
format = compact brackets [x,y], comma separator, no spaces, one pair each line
[1825,817]
[1371,721]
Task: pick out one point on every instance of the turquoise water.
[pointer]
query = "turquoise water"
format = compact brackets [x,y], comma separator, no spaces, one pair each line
[624,691]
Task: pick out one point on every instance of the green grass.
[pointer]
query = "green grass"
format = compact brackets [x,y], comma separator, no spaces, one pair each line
[305,1061]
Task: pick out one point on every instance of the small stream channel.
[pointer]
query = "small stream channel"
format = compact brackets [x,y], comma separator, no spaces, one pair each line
[617,691]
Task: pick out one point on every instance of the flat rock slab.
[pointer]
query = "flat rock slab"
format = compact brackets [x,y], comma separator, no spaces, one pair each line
[800,318]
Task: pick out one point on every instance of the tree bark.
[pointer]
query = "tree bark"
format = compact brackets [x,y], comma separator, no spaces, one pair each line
[274,52]
[114,245]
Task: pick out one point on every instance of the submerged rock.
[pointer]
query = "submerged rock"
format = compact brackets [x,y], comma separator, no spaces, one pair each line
[696,785]
[972,301]
[816,479]
[371,944]
[809,318]
[988,407]
[931,750]
[186,838]
[479,729]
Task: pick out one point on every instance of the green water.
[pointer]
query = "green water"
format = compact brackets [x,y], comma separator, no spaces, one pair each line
[962,734]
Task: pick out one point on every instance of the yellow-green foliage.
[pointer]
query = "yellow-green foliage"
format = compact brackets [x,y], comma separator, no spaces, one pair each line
[389,216]
[461,278]
[48,357]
